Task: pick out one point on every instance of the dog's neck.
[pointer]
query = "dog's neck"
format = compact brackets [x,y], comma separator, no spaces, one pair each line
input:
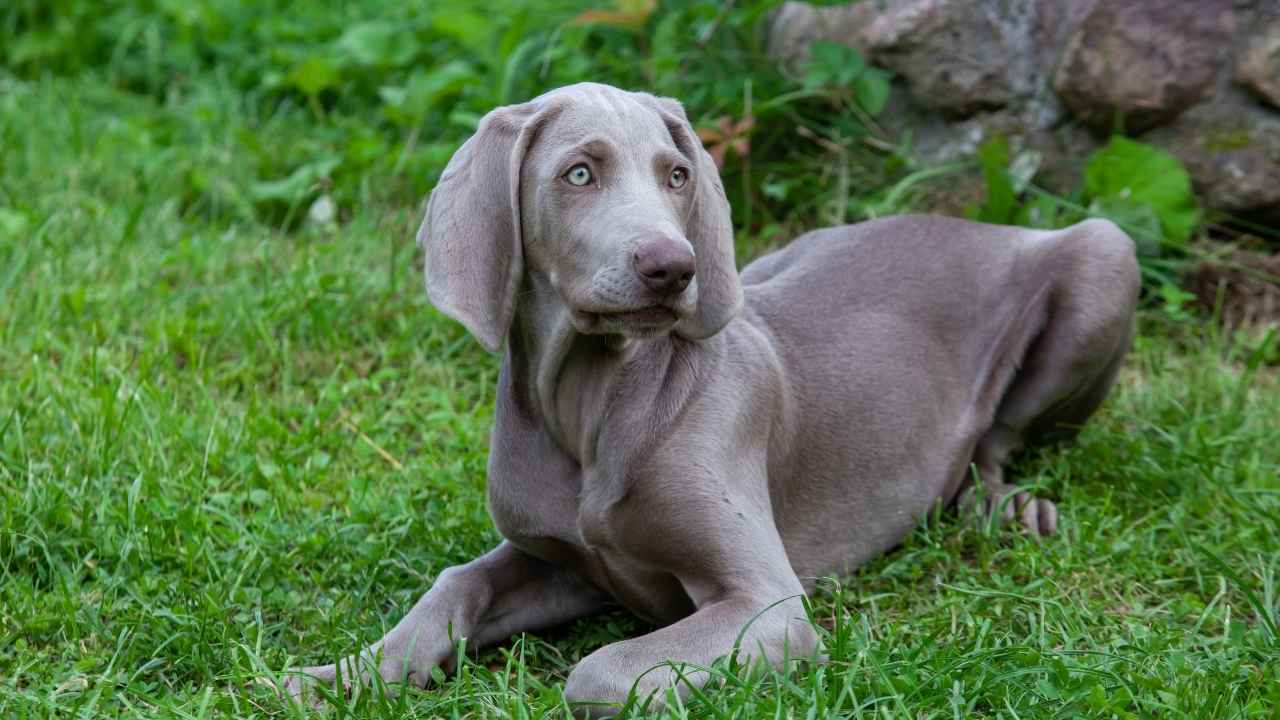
[565,379]
[560,377]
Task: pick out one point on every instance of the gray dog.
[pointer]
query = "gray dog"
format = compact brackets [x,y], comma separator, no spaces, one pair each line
[701,445]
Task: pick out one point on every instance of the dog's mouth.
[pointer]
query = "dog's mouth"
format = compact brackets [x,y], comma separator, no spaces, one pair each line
[640,321]
[652,315]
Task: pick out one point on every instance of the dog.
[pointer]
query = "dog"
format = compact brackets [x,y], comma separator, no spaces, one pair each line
[701,446]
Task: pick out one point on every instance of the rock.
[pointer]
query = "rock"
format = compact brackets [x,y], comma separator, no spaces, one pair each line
[1232,153]
[1258,65]
[796,25]
[952,59]
[1140,64]
[1200,78]
[1054,23]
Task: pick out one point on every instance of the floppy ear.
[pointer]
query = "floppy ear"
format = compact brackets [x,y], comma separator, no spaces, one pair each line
[709,229]
[471,231]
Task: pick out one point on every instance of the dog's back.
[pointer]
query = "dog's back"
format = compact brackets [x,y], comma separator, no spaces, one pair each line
[899,338]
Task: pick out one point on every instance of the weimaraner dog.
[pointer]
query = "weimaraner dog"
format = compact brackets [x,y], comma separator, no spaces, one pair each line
[701,446]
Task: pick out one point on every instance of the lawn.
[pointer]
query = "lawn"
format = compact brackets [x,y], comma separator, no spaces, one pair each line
[235,439]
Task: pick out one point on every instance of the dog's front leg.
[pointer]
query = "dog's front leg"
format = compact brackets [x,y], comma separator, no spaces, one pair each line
[759,627]
[486,600]
[735,570]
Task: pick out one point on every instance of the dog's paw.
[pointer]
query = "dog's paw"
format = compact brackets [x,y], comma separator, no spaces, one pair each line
[1036,516]
[304,685]
[310,685]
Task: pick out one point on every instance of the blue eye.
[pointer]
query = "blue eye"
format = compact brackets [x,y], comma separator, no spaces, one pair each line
[578,175]
[679,177]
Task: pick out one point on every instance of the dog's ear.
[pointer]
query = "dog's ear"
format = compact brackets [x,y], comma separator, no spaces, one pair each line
[709,229]
[471,231]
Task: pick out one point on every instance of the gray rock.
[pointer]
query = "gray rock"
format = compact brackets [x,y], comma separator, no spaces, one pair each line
[1135,65]
[1258,64]
[957,61]
[1232,152]
[955,58]
[796,25]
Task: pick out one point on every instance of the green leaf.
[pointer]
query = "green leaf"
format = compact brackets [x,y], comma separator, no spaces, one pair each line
[668,46]
[1043,213]
[1138,219]
[314,75]
[425,90]
[1001,202]
[297,186]
[1135,172]
[872,90]
[32,47]
[1097,697]
[832,64]
[378,44]
[471,30]
[12,223]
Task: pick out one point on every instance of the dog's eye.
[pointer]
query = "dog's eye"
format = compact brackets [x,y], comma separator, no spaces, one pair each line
[679,177]
[578,175]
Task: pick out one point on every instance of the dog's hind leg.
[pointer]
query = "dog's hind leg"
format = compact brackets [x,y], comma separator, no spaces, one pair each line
[1067,369]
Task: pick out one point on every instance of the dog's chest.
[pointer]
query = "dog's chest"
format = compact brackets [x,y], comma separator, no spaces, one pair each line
[555,506]
[541,510]
[533,496]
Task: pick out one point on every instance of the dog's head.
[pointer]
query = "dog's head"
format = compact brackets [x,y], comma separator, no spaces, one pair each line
[604,196]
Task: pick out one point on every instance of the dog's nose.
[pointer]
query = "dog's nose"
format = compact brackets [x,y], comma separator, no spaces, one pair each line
[665,266]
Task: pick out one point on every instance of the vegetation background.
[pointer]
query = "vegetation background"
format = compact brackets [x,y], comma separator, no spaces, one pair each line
[234,437]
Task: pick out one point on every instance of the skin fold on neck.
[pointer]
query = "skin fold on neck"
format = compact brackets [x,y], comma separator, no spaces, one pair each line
[566,378]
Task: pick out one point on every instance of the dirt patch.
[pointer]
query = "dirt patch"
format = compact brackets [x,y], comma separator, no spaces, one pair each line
[1242,285]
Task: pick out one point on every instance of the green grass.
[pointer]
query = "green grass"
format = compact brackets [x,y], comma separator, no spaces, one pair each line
[232,442]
